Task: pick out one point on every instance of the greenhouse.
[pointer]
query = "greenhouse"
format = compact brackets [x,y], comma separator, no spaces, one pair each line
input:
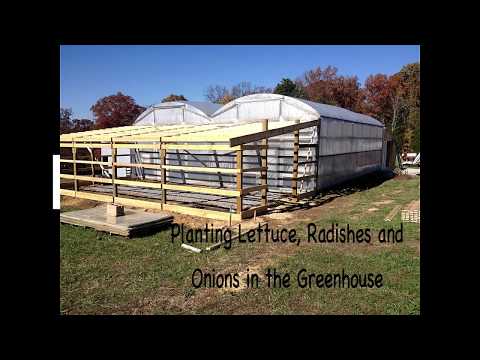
[226,162]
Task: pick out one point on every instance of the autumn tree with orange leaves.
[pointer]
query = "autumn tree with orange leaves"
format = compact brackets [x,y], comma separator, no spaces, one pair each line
[115,110]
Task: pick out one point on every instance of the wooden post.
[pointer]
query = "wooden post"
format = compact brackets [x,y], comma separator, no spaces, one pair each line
[317,155]
[74,158]
[240,180]
[296,144]
[264,157]
[163,161]
[114,170]
[92,166]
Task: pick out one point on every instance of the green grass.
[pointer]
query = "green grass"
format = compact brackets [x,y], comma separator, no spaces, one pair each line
[103,274]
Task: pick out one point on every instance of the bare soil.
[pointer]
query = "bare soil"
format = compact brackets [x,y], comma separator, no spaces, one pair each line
[70,202]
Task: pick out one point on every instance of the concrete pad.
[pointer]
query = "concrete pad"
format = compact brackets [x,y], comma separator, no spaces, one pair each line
[133,221]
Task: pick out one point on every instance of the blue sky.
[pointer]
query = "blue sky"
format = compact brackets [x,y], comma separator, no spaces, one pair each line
[149,73]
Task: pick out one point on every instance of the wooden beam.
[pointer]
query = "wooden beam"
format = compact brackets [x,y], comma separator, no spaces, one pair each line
[163,172]
[86,195]
[202,190]
[167,146]
[201,169]
[153,135]
[152,185]
[250,212]
[253,147]
[317,154]
[264,163]
[91,165]
[114,171]
[152,146]
[206,213]
[74,158]
[83,134]
[66,192]
[265,134]
[86,162]
[255,169]
[251,189]
[85,145]
[139,165]
[200,147]
[239,163]
[86,178]
[296,142]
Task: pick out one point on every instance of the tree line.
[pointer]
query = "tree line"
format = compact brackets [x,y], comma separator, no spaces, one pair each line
[394,100]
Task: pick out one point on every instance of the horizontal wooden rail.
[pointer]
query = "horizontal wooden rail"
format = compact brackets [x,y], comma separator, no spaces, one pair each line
[86,162]
[152,185]
[254,188]
[202,190]
[225,147]
[86,195]
[211,214]
[85,145]
[86,178]
[137,146]
[156,146]
[139,165]
[234,141]
[255,147]
[201,169]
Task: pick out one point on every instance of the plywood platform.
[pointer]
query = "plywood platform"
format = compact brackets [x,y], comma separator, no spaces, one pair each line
[133,222]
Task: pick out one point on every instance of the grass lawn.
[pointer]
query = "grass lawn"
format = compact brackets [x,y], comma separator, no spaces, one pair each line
[103,274]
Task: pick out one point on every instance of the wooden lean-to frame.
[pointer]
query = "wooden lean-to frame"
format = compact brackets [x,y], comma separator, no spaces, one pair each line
[214,139]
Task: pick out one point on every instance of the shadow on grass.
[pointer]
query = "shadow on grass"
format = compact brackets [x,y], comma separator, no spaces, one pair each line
[348,187]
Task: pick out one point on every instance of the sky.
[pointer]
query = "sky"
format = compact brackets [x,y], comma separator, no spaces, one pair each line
[150,73]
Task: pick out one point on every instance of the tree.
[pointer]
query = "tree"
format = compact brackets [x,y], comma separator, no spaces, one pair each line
[378,94]
[395,100]
[65,120]
[173,97]
[221,95]
[327,87]
[216,93]
[318,84]
[82,125]
[346,92]
[409,87]
[115,110]
[289,88]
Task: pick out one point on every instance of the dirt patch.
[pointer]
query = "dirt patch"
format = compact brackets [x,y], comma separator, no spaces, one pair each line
[383,202]
[71,202]
[414,205]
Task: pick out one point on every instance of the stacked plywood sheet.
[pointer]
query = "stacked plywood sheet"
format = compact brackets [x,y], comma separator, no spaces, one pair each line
[133,222]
